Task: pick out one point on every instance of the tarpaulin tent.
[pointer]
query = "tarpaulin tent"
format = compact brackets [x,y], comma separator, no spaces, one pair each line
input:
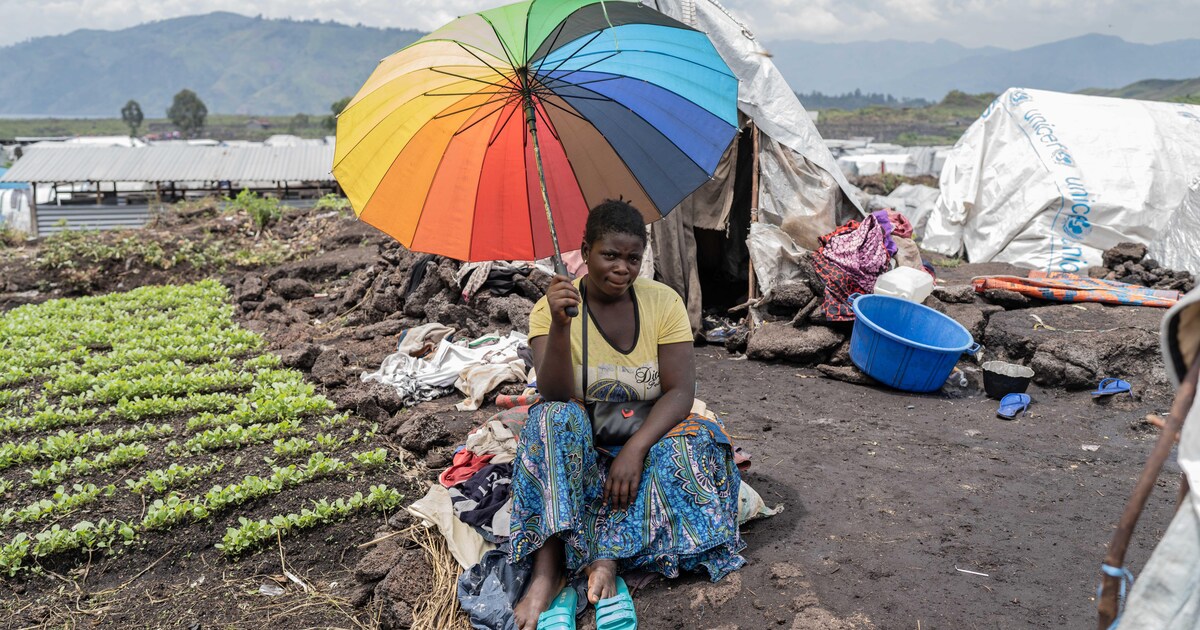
[1049,180]
[785,173]
[1178,243]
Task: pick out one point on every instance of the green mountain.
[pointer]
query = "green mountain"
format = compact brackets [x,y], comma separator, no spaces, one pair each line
[1183,91]
[236,64]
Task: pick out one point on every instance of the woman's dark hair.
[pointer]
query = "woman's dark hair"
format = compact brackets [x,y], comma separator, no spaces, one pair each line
[614,216]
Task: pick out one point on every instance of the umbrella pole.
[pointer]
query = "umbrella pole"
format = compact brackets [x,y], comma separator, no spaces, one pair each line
[531,120]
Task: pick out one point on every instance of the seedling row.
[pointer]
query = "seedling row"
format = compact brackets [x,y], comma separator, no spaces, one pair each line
[117,407]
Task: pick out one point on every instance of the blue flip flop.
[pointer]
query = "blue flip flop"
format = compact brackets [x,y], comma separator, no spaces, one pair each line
[1110,386]
[616,613]
[561,614]
[1012,405]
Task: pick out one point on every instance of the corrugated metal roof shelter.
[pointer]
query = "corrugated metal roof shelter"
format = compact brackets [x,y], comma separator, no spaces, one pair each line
[114,176]
[304,163]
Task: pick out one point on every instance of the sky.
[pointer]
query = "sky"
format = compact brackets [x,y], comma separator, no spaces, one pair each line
[1005,23]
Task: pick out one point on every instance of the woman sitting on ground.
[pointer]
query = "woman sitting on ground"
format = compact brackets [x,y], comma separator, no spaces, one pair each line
[666,501]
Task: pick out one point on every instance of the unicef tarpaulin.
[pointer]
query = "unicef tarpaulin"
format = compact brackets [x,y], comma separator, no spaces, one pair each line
[1178,243]
[1049,181]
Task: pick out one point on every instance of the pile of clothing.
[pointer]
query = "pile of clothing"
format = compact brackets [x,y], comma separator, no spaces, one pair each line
[471,506]
[852,257]
[427,365]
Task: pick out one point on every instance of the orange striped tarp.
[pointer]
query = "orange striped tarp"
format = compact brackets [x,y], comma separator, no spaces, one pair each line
[1068,287]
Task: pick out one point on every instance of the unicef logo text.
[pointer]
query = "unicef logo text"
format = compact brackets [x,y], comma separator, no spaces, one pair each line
[1018,96]
[1062,157]
[1077,227]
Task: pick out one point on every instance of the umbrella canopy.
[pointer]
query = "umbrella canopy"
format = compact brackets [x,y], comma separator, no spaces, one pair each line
[436,148]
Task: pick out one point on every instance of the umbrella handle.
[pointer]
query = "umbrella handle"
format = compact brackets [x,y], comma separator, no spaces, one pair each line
[561,269]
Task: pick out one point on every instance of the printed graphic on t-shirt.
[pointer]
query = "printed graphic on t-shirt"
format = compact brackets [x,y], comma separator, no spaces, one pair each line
[619,383]
[616,376]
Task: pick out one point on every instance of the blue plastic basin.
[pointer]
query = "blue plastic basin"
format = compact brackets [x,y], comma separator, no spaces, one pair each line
[906,345]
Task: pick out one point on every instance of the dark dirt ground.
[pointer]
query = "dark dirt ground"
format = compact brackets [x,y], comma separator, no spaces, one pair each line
[885,493]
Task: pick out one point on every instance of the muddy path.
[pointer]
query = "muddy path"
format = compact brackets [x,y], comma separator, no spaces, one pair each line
[886,493]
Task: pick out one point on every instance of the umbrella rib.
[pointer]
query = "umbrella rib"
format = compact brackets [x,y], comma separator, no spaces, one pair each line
[484,117]
[590,98]
[601,97]
[568,57]
[474,93]
[659,53]
[632,175]
[503,46]
[612,78]
[581,69]
[560,107]
[466,109]
[500,129]
[466,78]
[557,33]
[493,68]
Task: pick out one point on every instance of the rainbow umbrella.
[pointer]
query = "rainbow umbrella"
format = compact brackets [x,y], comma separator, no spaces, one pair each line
[489,137]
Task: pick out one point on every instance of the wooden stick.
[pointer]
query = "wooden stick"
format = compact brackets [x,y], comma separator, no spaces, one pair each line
[752,293]
[383,538]
[1110,586]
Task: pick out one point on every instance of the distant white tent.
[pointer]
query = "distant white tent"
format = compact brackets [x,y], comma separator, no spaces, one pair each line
[89,141]
[1178,242]
[1049,180]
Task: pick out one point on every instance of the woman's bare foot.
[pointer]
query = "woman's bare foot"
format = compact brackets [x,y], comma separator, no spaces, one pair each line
[602,580]
[546,582]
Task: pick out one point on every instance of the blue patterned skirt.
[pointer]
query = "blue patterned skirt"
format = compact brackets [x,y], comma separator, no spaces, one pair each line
[684,517]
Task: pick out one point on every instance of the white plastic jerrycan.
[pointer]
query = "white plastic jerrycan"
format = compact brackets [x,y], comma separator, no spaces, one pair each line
[907,283]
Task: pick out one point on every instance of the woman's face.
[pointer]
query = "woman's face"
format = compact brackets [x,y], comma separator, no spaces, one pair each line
[613,262]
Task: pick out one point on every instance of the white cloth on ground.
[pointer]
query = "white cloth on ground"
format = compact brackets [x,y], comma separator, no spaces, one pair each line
[412,392]
[415,338]
[477,380]
[441,369]
[495,439]
[436,509]
[751,505]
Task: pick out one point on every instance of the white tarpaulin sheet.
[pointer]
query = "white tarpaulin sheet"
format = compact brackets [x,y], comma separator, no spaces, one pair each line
[798,173]
[1178,242]
[1049,180]
[14,209]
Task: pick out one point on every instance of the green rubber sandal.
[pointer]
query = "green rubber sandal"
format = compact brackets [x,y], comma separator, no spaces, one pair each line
[561,614]
[616,613]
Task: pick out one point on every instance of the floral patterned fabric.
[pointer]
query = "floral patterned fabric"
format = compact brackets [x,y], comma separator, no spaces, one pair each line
[850,260]
[684,517]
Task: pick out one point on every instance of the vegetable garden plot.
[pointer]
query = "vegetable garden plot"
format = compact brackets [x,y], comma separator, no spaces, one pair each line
[127,415]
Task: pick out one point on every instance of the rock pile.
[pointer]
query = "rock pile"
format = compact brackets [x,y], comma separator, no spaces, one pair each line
[1129,263]
[336,314]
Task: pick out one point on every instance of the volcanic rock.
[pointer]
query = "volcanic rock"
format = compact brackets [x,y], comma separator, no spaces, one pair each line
[292,288]
[330,367]
[300,356]
[1072,348]
[1124,252]
[781,341]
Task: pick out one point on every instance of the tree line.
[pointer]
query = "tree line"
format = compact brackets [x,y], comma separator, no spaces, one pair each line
[188,114]
[857,100]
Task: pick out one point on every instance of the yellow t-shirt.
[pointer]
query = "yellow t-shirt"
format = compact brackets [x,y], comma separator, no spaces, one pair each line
[614,375]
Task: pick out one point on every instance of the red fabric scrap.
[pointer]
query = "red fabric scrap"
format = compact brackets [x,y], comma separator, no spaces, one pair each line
[463,467]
